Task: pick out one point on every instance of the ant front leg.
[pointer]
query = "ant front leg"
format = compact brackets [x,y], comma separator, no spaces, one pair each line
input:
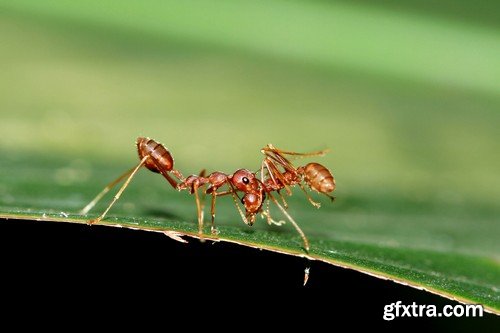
[270,220]
[236,201]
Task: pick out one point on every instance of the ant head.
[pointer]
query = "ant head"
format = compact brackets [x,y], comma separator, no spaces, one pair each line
[244,180]
[253,204]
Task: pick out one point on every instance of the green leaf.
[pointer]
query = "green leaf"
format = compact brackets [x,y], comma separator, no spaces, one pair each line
[414,136]
[146,205]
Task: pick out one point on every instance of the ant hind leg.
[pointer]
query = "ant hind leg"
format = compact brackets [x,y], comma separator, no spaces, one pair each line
[119,193]
[106,189]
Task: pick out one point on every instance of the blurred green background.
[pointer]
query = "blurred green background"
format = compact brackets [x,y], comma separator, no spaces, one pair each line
[406,94]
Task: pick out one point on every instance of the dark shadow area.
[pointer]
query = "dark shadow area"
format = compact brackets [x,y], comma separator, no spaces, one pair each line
[124,275]
[483,13]
[159,212]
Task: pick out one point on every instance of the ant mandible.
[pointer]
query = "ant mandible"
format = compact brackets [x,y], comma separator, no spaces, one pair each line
[155,157]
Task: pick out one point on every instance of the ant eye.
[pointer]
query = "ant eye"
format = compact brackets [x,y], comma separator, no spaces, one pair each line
[245,180]
[243,200]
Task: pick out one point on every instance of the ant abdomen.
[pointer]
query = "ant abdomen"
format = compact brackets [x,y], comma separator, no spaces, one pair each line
[160,160]
[319,178]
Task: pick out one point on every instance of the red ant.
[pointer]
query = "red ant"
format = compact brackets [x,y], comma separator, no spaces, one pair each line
[154,156]
[315,175]
[157,158]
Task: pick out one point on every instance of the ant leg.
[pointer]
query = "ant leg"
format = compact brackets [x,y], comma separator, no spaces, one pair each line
[215,194]
[108,187]
[236,199]
[273,172]
[276,155]
[270,220]
[120,191]
[200,212]
[213,229]
[203,196]
[267,214]
[204,193]
[314,203]
[271,148]
[301,233]
[262,171]
[285,204]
